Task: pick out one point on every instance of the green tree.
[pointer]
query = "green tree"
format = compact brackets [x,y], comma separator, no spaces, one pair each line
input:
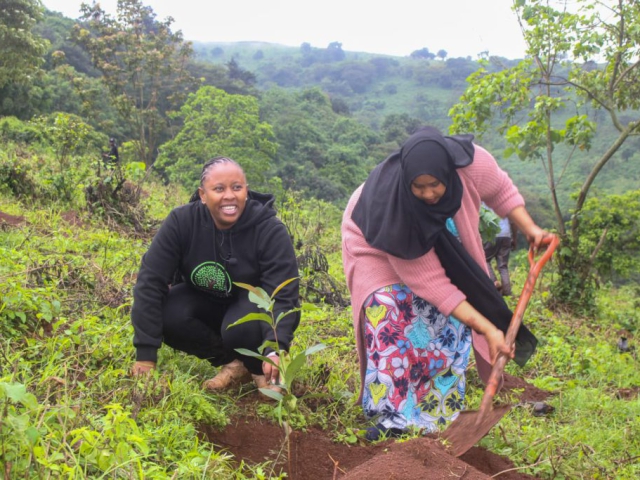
[543,105]
[217,123]
[21,50]
[143,66]
[321,153]
[423,53]
[611,226]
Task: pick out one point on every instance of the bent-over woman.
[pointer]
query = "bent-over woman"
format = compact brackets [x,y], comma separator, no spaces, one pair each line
[420,290]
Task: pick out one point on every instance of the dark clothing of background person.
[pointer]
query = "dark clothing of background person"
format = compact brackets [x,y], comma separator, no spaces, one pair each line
[193,316]
[500,249]
[111,158]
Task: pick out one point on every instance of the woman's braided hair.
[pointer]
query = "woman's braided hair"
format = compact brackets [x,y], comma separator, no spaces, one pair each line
[209,164]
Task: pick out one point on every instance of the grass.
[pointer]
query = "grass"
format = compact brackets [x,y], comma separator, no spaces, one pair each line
[71,410]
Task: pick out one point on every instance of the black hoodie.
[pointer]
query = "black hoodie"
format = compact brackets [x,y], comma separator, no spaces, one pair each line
[257,250]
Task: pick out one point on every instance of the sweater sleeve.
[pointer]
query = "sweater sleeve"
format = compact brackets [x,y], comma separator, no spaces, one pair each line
[493,184]
[158,265]
[278,264]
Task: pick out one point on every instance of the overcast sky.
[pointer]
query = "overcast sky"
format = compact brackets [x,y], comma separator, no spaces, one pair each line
[461,27]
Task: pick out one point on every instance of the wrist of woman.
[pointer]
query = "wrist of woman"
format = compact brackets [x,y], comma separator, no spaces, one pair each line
[486,328]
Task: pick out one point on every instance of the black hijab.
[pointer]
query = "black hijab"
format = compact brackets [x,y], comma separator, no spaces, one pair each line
[395,221]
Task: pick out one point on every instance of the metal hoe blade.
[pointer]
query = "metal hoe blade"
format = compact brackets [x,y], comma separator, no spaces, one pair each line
[470,427]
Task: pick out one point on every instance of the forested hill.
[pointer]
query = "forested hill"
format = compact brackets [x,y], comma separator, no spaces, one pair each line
[310,119]
[368,86]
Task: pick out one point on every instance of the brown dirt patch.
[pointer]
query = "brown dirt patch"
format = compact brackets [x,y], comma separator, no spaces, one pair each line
[10,220]
[314,455]
[529,392]
[72,218]
[628,393]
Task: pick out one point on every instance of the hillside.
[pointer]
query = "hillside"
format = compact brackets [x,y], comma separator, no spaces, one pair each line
[70,407]
[105,124]
[372,86]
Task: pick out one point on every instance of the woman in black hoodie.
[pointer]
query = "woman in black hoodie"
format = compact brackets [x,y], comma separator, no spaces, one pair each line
[226,234]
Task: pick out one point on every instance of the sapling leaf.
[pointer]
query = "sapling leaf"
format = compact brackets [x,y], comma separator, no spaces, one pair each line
[284,314]
[293,368]
[251,353]
[246,286]
[282,285]
[315,348]
[250,317]
[272,394]
[308,307]
[269,344]
[257,296]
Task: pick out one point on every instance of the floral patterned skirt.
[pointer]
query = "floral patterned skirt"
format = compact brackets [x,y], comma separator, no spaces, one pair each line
[416,361]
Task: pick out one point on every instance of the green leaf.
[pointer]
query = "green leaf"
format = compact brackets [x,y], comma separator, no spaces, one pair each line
[282,285]
[261,299]
[270,344]
[32,435]
[284,314]
[315,348]
[272,394]
[293,368]
[250,353]
[14,391]
[252,317]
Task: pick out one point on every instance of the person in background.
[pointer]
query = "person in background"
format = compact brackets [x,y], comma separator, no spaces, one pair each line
[420,293]
[500,248]
[225,234]
[111,158]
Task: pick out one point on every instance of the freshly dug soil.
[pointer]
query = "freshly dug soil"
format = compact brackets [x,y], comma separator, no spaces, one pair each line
[315,456]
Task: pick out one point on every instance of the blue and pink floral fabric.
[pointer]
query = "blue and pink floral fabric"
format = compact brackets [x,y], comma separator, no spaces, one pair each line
[416,361]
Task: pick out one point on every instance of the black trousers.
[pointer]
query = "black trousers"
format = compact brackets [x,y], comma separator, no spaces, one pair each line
[194,323]
[500,250]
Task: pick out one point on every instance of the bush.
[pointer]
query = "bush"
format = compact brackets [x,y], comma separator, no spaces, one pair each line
[14,175]
[15,130]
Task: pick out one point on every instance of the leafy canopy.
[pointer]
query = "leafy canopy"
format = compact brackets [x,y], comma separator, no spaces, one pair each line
[217,123]
[22,50]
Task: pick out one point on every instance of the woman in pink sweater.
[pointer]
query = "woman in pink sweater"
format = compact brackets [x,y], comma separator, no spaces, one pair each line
[420,292]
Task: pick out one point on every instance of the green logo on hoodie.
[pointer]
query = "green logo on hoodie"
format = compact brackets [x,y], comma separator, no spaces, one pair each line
[213,278]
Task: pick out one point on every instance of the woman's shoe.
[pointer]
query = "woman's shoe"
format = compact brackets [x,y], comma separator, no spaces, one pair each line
[380,432]
[261,382]
[231,374]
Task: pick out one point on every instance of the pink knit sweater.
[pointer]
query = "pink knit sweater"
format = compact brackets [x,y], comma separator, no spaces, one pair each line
[368,269]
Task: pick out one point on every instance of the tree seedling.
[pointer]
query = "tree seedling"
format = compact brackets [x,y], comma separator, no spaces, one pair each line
[289,365]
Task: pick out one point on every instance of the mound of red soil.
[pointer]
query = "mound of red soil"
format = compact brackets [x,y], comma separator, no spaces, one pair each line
[315,456]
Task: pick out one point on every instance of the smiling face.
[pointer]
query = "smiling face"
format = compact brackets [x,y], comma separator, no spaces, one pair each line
[428,189]
[224,192]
